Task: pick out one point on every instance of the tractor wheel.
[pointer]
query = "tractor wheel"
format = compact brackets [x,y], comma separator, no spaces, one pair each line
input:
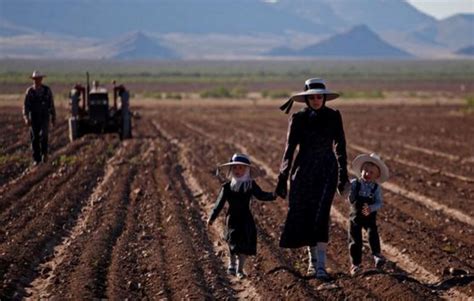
[73,129]
[126,126]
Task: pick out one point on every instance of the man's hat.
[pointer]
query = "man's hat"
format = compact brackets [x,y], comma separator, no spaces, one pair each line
[373,158]
[37,74]
[312,86]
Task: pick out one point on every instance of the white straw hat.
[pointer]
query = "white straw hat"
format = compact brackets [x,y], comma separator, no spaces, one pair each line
[375,159]
[312,86]
[37,74]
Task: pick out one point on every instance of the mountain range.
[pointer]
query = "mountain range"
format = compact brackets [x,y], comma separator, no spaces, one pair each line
[226,29]
[358,42]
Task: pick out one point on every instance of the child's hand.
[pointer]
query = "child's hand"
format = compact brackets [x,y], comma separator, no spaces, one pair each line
[344,189]
[365,209]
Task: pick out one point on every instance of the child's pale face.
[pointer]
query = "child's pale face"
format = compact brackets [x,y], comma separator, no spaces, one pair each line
[239,170]
[370,172]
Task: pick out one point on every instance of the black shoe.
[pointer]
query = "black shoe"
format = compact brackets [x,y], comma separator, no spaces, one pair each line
[231,270]
[379,261]
[241,274]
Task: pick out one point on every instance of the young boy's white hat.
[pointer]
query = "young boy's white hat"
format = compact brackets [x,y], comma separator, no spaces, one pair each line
[238,159]
[312,86]
[375,159]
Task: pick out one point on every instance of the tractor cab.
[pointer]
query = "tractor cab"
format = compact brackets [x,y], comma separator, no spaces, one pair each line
[98,103]
[91,111]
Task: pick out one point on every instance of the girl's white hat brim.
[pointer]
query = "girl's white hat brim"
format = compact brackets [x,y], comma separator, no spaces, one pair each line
[235,163]
[225,168]
[375,159]
[301,97]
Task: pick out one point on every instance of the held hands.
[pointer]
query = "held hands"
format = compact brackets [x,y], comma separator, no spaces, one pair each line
[281,189]
[344,189]
[366,209]
[209,222]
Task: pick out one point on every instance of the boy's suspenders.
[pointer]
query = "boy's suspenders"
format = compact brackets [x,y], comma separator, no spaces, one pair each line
[372,193]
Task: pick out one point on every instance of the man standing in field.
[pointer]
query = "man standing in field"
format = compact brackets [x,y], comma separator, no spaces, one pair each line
[37,108]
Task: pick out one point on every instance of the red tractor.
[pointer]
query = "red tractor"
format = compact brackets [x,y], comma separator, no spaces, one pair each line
[91,112]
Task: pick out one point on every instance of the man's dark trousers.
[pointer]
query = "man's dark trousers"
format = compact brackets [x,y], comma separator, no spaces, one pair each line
[39,137]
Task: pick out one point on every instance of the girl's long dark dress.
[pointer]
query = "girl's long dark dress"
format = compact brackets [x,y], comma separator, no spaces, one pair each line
[319,167]
[240,231]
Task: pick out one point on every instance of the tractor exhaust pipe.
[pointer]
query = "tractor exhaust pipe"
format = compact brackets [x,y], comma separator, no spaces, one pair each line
[88,87]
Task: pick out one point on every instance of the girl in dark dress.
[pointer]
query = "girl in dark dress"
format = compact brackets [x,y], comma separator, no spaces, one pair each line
[318,170]
[240,231]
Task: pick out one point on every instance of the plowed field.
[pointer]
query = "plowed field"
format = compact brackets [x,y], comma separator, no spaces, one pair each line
[115,219]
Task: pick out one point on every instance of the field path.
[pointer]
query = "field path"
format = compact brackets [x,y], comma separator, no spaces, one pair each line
[111,219]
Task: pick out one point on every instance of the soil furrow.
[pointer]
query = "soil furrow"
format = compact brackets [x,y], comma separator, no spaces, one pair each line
[242,289]
[428,201]
[84,273]
[453,194]
[278,285]
[352,292]
[124,277]
[33,243]
[185,235]
[134,227]
[42,285]
[407,162]
[17,156]
[267,169]
[12,191]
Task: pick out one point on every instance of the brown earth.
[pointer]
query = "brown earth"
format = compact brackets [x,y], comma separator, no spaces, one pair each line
[458,87]
[112,219]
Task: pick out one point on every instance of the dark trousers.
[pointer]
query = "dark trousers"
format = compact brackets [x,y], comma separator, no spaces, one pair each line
[355,236]
[39,138]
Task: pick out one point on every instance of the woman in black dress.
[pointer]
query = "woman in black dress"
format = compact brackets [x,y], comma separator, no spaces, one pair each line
[318,170]
[240,231]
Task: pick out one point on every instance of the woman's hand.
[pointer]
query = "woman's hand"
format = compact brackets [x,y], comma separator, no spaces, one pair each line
[209,222]
[281,189]
[344,188]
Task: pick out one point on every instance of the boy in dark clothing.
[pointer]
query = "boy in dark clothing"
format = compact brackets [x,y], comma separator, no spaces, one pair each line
[365,199]
[240,230]
[37,109]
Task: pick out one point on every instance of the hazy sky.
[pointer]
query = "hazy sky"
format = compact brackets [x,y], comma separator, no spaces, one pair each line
[443,8]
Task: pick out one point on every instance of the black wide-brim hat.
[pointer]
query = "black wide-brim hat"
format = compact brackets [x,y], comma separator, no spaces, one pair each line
[313,86]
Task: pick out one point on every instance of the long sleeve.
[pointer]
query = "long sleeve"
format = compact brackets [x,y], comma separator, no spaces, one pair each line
[352,196]
[52,109]
[378,200]
[27,104]
[220,202]
[260,194]
[292,141]
[340,141]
